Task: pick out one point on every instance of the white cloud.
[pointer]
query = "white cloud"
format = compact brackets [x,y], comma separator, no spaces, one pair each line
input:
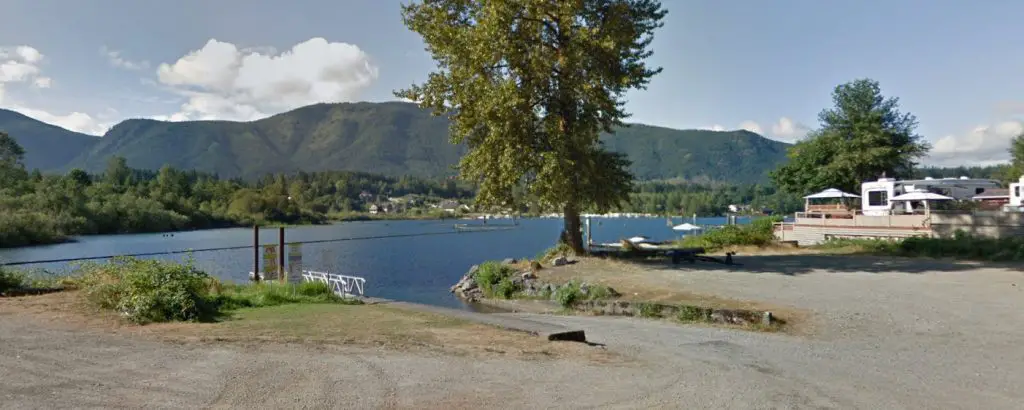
[220,81]
[751,126]
[788,130]
[20,64]
[115,59]
[75,121]
[983,145]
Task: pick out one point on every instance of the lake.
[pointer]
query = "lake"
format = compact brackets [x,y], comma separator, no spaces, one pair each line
[419,267]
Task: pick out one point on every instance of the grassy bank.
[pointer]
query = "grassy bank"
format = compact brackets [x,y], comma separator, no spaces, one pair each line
[147,291]
[960,246]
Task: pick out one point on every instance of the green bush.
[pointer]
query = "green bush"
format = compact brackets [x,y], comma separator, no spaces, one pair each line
[10,279]
[146,291]
[649,310]
[759,232]
[960,246]
[687,313]
[572,293]
[495,278]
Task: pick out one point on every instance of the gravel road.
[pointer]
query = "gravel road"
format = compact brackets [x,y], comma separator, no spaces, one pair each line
[942,338]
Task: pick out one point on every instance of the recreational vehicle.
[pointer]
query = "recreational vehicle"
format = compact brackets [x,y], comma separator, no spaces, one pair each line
[1016,201]
[876,195]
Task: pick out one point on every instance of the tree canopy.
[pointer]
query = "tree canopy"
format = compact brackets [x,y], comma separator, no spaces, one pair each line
[529,85]
[862,137]
[1016,158]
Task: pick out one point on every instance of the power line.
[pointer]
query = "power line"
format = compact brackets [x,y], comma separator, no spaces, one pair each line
[228,248]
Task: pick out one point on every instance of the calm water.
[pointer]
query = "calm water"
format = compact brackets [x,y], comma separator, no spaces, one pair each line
[416,268]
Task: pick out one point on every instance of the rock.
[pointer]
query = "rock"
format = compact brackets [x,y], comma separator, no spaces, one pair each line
[528,275]
[509,261]
[560,261]
[472,270]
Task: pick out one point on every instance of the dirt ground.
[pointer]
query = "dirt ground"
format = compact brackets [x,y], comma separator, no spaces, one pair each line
[881,333]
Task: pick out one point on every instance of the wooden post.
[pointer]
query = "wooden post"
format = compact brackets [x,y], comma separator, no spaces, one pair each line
[280,254]
[256,253]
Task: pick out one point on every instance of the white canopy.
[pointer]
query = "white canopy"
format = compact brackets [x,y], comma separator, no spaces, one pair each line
[639,239]
[921,196]
[831,193]
[686,227]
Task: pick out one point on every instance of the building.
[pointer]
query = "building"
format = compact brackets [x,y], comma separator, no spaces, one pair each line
[891,209]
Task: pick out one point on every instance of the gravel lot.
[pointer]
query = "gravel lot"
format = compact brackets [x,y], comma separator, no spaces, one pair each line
[945,336]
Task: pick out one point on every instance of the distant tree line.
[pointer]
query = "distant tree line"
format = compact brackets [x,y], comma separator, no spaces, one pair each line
[38,209]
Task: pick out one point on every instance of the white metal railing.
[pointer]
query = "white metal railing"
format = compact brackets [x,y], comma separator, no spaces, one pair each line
[341,284]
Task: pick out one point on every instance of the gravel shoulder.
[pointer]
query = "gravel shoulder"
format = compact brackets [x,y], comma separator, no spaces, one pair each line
[881,334]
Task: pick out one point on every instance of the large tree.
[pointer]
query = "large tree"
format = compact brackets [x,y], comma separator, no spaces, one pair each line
[529,85]
[12,156]
[1017,157]
[862,137]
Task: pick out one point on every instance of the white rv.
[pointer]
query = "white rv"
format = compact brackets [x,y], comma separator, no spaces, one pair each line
[1016,201]
[875,195]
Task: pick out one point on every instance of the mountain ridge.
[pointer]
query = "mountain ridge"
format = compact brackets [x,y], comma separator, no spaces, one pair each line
[391,138]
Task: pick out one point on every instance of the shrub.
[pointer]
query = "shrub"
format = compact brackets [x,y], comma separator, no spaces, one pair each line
[495,278]
[573,292]
[649,310]
[10,279]
[146,291]
[760,232]
[960,246]
[687,313]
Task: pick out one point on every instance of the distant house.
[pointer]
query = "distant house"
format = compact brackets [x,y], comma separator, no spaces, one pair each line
[374,209]
[739,208]
[449,205]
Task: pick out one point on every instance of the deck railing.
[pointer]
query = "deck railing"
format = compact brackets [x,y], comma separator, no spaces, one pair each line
[341,285]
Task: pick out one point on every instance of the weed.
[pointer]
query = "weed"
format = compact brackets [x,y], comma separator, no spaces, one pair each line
[649,310]
[688,313]
[960,246]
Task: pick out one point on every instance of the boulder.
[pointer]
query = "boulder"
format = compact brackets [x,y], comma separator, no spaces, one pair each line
[528,275]
[560,261]
[509,261]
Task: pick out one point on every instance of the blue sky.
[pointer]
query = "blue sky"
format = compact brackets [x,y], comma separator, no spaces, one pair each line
[768,66]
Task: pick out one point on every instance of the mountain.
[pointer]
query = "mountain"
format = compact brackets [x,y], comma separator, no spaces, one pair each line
[387,138]
[47,147]
[665,153]
[396,138]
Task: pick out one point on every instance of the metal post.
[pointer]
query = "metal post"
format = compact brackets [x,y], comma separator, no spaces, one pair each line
[256,253]
[280,254]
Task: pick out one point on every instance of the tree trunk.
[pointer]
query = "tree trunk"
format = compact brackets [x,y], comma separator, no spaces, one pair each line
[573,234]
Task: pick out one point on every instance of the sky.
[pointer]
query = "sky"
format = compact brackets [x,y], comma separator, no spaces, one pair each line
[765,66]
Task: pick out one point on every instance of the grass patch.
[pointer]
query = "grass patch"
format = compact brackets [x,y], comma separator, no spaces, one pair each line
[960,246]
[649,310]
[560,249]
[689,313]
[147,291]
[574,292]
[28,279]
[759,232]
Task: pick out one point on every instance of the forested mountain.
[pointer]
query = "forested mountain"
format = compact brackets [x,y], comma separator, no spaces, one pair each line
[391,138]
